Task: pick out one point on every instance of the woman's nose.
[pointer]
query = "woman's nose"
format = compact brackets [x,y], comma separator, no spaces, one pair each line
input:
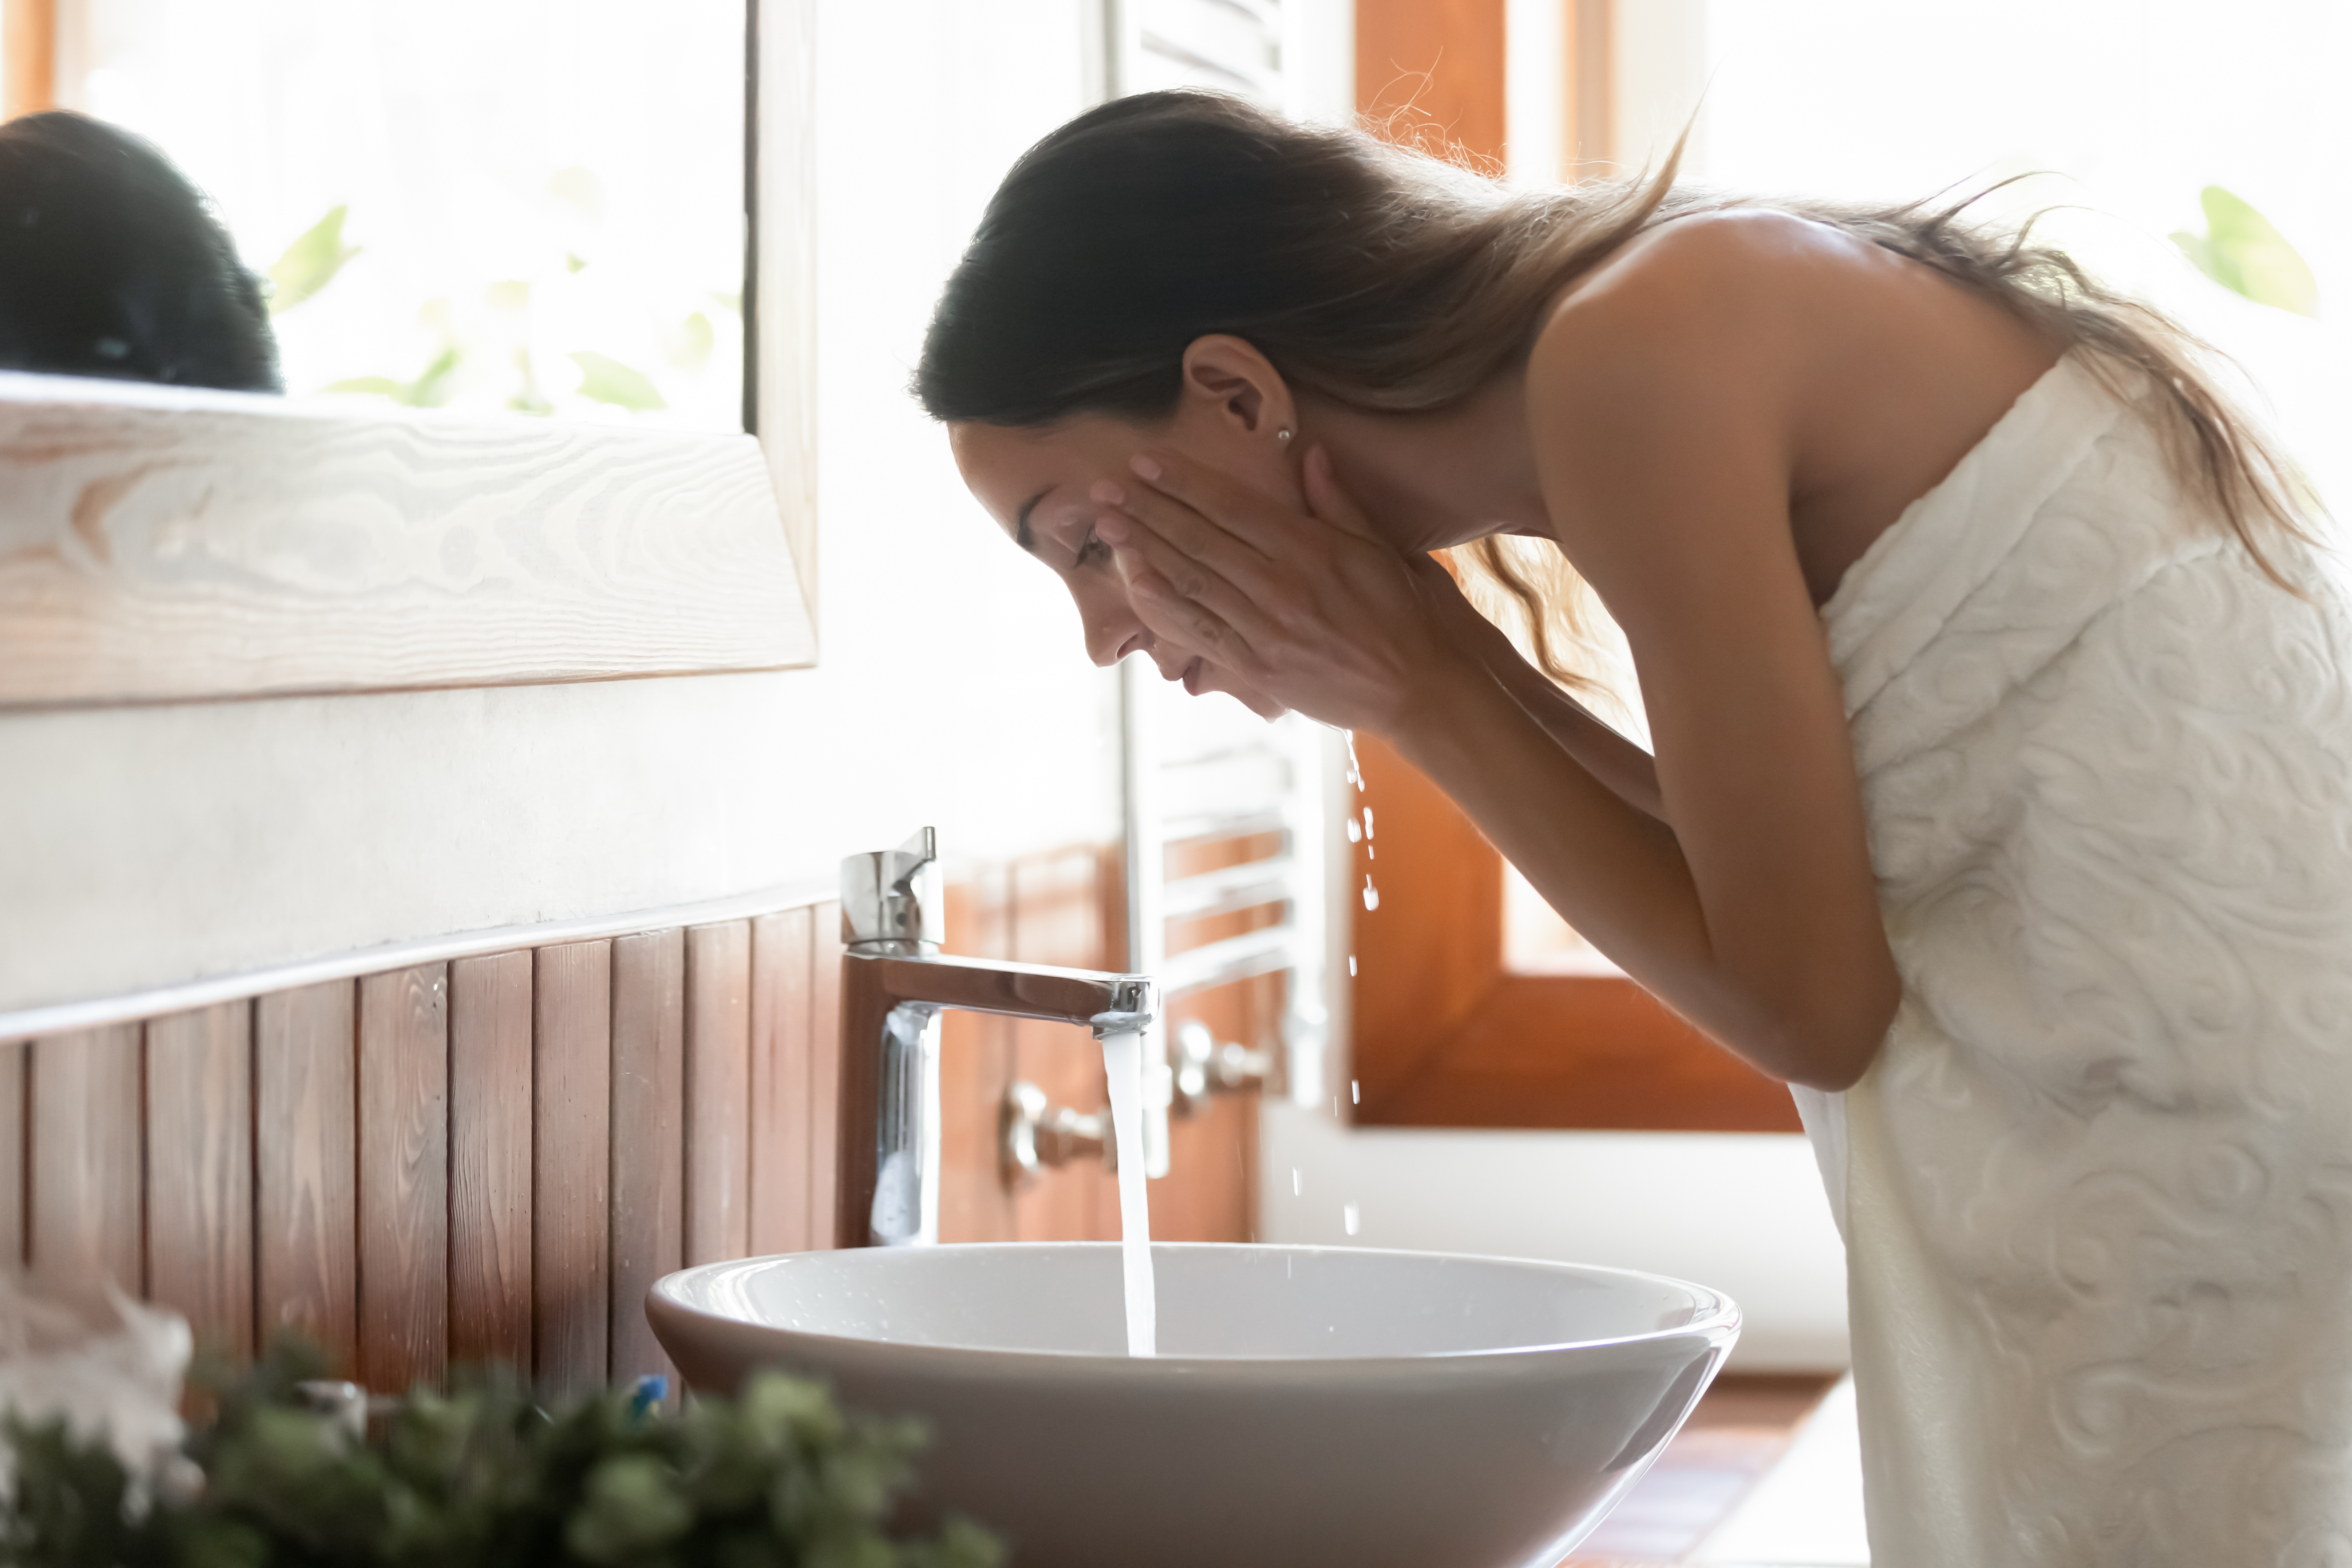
[1112,633]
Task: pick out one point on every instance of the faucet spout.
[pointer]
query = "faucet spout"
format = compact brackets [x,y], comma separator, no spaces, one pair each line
[886,1185]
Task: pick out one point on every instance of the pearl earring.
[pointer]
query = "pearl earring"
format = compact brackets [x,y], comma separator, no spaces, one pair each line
[1283,436]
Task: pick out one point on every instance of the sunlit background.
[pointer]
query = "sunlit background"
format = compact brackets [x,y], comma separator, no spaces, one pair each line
[533,205]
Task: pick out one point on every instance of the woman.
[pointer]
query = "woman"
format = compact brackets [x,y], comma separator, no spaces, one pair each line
[2001,799]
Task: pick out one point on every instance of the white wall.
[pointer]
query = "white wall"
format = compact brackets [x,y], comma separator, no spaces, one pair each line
[144,847]
[1742,1213]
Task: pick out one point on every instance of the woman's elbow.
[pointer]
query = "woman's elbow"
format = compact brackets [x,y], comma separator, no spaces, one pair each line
[1829,1047]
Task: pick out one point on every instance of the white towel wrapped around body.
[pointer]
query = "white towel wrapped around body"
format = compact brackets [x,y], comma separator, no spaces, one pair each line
[2096,1189]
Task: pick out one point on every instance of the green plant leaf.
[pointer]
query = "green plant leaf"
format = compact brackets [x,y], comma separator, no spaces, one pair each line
[607,380]
[434,386]
[2245,252]
[310,263]
[688,347]
[371,385]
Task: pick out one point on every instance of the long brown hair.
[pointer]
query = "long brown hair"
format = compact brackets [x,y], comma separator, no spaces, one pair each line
[1394,280]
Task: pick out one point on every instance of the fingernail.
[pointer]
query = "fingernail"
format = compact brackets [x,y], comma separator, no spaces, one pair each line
[1107,493]
[1112,528]
[1145,466]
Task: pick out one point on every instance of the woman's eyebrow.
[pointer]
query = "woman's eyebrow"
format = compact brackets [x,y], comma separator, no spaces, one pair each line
[1020,534]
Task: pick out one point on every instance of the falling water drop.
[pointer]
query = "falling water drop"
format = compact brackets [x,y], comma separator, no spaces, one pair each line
[1355,769]
[1355,834]
[1371,894]
[1350,1217]
[1368,823]
[1351,966]
[1297,1190]
[1355,1093]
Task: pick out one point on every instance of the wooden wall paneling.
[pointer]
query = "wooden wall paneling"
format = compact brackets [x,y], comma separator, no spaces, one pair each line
[199,1170]
[1059,918]
[718,1092]
[305,1166]
[648,1120]
[1211,1191]
[14,1148]
[490,1161]
[572,1070]
[975,1067]
[824,1081]
[783,1045]
[84,1172]
[403,1177]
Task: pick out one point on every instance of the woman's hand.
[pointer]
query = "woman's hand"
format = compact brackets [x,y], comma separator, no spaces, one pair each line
[1311,608]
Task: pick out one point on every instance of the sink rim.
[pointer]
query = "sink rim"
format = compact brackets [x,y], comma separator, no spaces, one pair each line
[1714,1314]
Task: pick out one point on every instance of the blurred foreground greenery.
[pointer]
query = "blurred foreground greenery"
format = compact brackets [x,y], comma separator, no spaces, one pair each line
[482,1477]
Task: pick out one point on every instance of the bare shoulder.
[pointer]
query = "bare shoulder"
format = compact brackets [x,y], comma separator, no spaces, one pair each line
[1732,290]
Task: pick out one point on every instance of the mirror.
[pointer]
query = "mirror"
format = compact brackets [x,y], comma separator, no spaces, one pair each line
[519,207]
[469,218]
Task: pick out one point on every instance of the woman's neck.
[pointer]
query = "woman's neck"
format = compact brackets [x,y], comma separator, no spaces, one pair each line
[1428,480]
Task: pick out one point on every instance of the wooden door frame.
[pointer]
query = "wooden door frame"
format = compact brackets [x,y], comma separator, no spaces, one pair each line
[1445,1035]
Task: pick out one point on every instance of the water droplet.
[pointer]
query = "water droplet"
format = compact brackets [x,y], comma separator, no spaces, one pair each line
[1297,1191]
[1370,853]
[1351,966]
[1351,1218]
[1355,834]
[1355,769]
[1367,822]
[1355,1093]
[1372,895]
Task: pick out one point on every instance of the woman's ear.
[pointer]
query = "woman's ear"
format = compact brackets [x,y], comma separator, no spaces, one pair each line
[1239,384]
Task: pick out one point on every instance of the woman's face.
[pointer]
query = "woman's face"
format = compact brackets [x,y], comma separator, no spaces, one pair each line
[1037,484]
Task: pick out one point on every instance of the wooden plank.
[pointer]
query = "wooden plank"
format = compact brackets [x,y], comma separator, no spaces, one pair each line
[1431,71]
[28,55]
[85,1213]
[1057,917]
[781,1044]
[14,1145]
[163,544]
[648,1120]
[572,1087]
[824,1077]
[490,1161]
[200,1172]
[975,1069]
[403,1177]
[305,1167]
[718,1092]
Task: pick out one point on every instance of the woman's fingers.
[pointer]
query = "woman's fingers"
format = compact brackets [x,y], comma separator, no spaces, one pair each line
[1264,525]
[1150,564]
[1184,621]
[1181,528]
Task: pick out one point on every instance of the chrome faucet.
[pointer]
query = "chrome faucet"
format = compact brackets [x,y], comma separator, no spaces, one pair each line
[894,982]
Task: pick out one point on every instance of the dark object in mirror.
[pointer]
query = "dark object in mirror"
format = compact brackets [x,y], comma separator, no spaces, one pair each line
[111,264]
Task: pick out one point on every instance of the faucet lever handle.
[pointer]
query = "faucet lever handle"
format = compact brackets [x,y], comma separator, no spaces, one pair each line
[892,895]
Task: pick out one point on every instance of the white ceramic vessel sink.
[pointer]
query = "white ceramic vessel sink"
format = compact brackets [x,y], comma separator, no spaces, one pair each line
[1309,1405]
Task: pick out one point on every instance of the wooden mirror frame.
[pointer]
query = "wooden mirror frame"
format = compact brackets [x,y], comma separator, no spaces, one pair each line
[163,544]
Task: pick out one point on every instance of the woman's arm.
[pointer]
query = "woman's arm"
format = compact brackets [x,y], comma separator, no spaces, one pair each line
[1628,771]
[1660,411]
